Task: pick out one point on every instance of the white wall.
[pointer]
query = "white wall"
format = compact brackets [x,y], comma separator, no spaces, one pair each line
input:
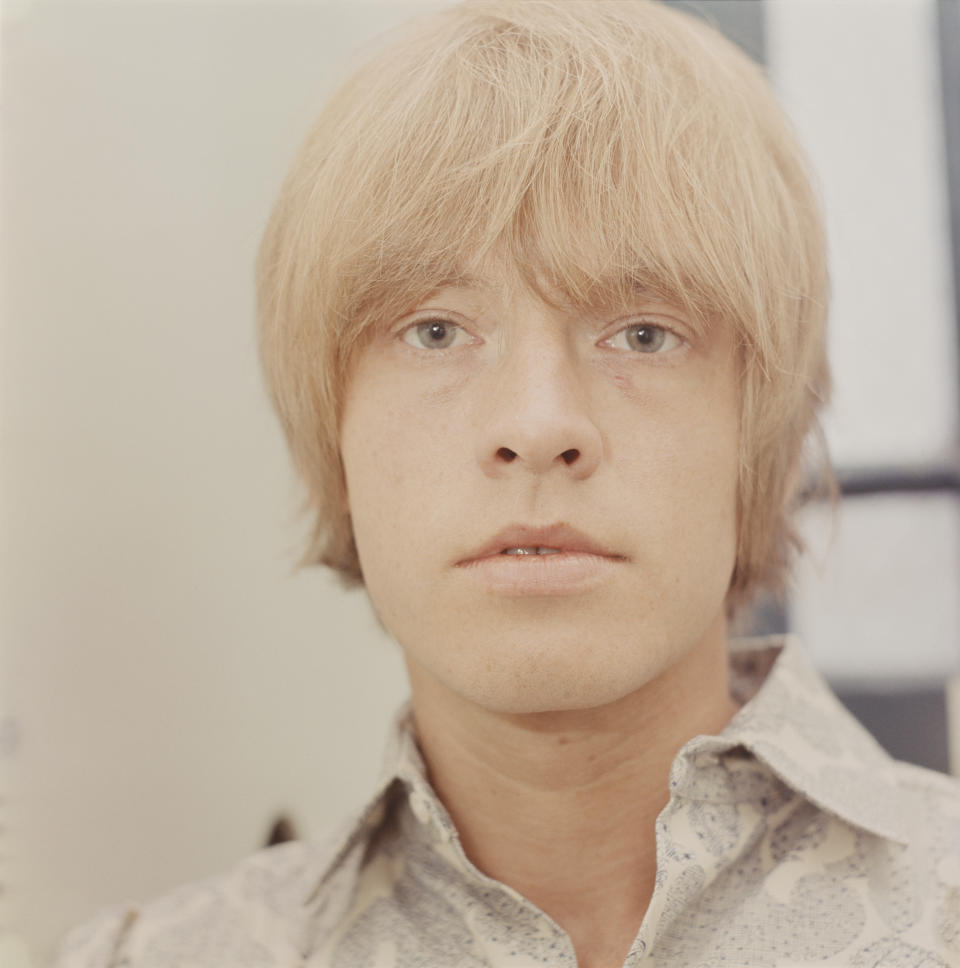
[879,597]
[860,80]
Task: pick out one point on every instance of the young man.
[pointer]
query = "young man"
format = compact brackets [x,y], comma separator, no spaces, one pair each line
[543,305]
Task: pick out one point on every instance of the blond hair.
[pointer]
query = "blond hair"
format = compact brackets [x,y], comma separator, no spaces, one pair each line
[600,145]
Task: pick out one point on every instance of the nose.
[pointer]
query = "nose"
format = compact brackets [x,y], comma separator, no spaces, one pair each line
[537,415]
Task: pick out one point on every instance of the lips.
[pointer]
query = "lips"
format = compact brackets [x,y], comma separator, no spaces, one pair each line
[534,542]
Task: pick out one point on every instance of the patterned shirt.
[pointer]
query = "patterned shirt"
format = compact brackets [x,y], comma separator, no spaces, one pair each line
[789,839]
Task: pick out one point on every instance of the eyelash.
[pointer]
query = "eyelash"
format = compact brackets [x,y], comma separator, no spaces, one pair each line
[665,335]
[410,335]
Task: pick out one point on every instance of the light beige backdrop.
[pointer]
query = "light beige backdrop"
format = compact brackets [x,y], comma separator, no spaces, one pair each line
[168,685]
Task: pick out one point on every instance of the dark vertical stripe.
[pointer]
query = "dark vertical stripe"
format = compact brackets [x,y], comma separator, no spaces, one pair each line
[948,34]
[948,23]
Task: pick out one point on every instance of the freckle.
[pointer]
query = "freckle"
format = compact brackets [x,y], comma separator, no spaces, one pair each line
[563,740]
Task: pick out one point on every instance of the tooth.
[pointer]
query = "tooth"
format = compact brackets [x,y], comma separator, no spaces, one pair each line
[530,550]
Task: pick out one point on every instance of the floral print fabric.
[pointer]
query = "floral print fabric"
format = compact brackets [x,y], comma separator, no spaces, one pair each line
[790,839]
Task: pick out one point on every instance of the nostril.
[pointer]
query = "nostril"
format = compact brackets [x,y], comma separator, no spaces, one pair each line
[569,456]
[505,454]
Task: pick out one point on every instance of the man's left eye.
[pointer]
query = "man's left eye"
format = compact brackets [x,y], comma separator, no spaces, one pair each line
[434,334]
[645,338]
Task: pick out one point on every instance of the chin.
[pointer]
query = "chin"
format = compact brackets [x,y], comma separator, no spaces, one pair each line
[558,677]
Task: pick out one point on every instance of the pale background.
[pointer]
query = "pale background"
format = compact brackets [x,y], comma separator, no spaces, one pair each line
[168,685]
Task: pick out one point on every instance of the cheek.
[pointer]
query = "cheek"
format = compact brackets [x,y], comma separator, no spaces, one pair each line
[399,450]
[404,452]
[711,478]
[368,460]
[680,436]
[682,460]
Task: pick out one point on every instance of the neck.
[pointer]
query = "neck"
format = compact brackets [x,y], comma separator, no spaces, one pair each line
[561,806]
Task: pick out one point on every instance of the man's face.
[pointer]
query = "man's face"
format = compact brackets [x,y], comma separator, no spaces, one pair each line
[543,499]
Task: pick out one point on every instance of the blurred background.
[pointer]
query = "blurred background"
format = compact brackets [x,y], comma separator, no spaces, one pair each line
[169,686]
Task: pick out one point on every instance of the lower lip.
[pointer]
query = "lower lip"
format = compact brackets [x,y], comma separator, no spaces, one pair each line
[564,573]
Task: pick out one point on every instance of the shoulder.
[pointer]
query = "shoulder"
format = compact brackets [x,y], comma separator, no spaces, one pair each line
[930,807]
[252,915]
[929,785]
[913,881]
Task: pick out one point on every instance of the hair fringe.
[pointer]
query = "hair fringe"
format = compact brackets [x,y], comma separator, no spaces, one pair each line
[594,147]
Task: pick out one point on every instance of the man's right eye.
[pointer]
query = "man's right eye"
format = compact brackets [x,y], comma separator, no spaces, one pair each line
[434,334]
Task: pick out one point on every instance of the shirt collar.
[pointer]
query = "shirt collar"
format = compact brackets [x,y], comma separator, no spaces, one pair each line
[403,767]
[790,722]
[793,724]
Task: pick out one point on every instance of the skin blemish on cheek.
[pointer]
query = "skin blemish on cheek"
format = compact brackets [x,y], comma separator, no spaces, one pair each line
[624,382]
[636,383]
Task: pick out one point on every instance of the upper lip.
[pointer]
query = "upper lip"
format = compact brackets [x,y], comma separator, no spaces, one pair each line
[563,537]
